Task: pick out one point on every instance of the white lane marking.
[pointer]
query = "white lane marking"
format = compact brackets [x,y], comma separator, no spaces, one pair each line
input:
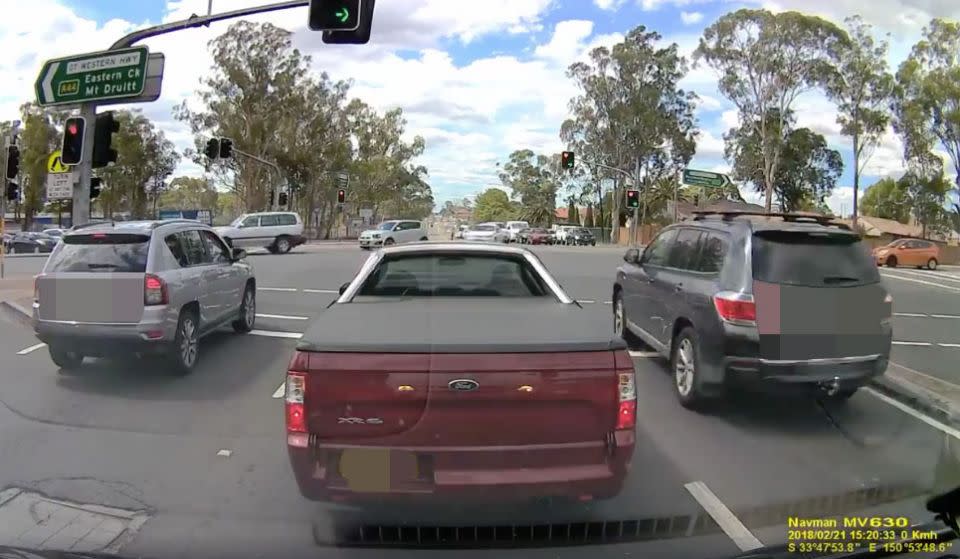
[278,393]
[912,343]
[945,315]
[30,349]
[909,314]
[321,291]
[272,334]
[284,289]
[727,521]
[283,316]
[644,354]
[608,302]
[586,301]
[910,411]
[928,274]
[949,345]
[224,452]
[914,280]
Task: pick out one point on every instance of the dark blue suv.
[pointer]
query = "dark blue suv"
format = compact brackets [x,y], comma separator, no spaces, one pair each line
[775,300]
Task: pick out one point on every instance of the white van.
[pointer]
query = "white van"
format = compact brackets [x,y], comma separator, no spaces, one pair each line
[514,227]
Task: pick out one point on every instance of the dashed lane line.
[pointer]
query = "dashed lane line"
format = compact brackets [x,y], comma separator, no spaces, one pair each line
[723,516]
[922,282]
[927,275]
[910,411]
[275,334]
[283,289]
[283,316]
[31,349]
[279,392]
[912,343]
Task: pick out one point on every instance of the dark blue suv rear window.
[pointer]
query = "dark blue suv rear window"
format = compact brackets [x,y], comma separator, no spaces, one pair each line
[813,259]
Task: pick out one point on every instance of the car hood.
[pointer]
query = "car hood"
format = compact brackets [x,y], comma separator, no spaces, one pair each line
[372,232]
[224,229]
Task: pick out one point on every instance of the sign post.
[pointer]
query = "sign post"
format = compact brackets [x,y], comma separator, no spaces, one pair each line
[60,178]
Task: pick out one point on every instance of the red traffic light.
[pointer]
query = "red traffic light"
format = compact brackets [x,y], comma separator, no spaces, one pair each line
[567,160]
[72,128]
[341,196]
[72,149]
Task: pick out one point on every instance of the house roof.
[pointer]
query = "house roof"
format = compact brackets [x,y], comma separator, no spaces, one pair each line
[561,213]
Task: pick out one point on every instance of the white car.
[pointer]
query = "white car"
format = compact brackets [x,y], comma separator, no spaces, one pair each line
[278,232]
[393,232]
[514,227]
[487,232]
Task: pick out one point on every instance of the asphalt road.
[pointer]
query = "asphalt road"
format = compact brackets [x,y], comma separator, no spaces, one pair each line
[202,458]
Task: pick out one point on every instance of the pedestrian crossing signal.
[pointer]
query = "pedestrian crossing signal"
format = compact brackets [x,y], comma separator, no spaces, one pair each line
[567,160]
[633,198]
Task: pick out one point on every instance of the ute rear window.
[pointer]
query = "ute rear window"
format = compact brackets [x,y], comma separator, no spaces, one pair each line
[812,259]
[454,276]
[101,253]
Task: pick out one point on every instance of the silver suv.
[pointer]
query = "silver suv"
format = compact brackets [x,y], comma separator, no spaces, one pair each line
[141,287]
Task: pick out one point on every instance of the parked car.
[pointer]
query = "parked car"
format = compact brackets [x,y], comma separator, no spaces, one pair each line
[458,234]
[581,236]
[55,232]
[149,287]
[487,232]
[486,382]
[538,236]
[513,228]
[523,235]
[908,252]
[278,232]
[734,300]
[22,243]
[562,233]
[393,232]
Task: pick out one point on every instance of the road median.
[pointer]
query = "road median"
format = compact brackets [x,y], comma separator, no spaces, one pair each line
[931,396]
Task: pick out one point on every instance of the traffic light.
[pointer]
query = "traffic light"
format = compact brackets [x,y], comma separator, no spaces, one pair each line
[633,198]
[13,162]
[283,198]
[95,183]
[567,160]
[334,15]
[226,148]
[72,150]
[103,132]
[212,151]
[341,196]
[13,191]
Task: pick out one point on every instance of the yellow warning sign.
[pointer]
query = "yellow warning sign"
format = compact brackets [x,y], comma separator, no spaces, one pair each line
[55,165]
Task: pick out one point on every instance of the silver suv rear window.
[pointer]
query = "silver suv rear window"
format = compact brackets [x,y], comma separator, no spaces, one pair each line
[812,259]
[101,252]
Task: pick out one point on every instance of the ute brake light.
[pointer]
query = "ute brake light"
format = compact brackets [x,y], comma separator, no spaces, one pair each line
[627,401]
[736,308]
[294,391]
[154,291]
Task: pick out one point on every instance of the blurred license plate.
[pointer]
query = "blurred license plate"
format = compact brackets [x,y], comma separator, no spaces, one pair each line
[377,470]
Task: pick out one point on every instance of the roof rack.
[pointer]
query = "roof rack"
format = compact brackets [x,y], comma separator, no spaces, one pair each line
[160,222]
[793,217]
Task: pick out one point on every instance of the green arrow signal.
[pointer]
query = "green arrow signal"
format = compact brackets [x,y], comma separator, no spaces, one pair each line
[342,14]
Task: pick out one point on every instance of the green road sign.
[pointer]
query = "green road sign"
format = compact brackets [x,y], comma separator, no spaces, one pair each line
[694,177]
[114,74]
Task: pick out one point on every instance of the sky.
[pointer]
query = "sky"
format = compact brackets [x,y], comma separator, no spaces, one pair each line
[476,78]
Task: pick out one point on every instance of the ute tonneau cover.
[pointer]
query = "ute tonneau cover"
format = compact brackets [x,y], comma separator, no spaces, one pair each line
[455,325]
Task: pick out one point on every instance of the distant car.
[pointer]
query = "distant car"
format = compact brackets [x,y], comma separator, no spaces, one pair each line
[487,232]
[735,300]
[581,236]
[908,252]
[56,232]
[393,232]
[278,232]
[149,287]
[458,370]
[562,233]
[23,243]
[523,234]
[513,228]
[538,236]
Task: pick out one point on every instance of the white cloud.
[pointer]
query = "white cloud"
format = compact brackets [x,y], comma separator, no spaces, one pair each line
[708,145]
[689,18]
[707,103]
[609,5]
[567,41]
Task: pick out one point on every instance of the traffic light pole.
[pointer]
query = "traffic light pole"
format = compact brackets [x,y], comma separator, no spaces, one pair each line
[80,207]
[276,191]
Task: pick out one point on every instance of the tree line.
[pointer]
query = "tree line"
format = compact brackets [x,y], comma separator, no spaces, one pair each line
[633,124]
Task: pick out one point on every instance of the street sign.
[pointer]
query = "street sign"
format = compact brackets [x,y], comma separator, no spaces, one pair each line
[60,185]
[55,165]
[366,213]
[694,177]
[152,86]
[116,74]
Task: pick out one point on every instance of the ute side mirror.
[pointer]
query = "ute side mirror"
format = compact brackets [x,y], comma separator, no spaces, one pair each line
[632,256]
[344,287]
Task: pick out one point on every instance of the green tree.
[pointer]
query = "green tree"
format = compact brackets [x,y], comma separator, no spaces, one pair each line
[190,193]
[808,169]
[38,139]
[534,183]
[631,113]
[887,199]
[765,61]
[861,85]
[927,101]
[493,204]
[927,197]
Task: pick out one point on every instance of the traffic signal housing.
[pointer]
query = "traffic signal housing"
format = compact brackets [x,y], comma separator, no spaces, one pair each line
[95,186]
[212,151]
[283,199]
[13,162]
[567,160]
[13,192]
[103,132]
[335,15]
[341,196]
[633,198]
[72,149]
[226,148]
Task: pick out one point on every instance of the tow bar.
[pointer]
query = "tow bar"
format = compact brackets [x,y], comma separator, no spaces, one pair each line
[831,387]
